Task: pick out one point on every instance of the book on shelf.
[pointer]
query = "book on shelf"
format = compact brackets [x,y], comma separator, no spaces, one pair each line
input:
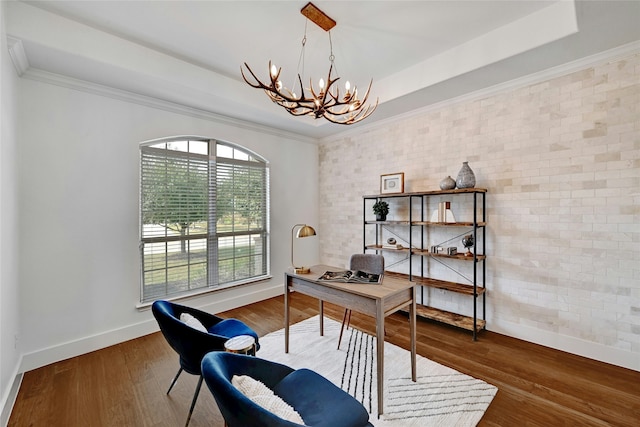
[443,214]
[396,246]
[351,276]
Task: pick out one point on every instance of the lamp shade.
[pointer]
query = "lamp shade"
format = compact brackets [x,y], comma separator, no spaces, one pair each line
[305,231]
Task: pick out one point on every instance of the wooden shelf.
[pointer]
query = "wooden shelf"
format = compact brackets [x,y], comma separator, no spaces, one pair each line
[428,223]
[449,318]
[449,224]
[388,222]
[380,248]
[461,288]
[427,193]
[461,257]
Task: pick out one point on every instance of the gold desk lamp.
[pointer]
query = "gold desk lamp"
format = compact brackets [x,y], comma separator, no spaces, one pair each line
[304,231]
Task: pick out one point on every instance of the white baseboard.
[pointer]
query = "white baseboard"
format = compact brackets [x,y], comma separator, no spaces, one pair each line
[88,344]
[10,397]
[591,350]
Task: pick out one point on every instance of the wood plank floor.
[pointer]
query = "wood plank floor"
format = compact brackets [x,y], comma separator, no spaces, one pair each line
[125,385]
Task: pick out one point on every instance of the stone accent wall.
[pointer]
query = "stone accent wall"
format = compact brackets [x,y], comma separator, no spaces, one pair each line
[561,162]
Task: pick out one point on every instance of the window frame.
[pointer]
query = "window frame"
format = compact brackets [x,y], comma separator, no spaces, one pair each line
[241,160]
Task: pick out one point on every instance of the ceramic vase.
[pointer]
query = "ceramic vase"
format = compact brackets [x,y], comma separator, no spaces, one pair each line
[447,184]
[466,177]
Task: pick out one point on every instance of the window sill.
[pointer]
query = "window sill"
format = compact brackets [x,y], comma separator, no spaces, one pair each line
[143,306]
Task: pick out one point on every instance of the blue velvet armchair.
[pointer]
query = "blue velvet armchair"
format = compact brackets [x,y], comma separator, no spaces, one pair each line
[318,401]
[192,344]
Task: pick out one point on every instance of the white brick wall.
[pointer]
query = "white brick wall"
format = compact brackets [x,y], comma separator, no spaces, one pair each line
[561,161]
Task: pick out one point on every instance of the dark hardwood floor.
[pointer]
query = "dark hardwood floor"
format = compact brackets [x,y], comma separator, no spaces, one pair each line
[125,385]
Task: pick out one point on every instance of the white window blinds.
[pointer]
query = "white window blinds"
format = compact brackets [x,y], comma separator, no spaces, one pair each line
[204,217]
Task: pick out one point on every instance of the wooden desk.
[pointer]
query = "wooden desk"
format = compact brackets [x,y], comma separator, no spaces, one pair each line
[379,301]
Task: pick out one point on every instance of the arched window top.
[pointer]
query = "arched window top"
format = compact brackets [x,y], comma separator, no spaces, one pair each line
[200,145]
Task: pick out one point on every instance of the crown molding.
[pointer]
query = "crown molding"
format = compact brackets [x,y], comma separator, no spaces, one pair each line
[610,55]
[157,103]
[18,55]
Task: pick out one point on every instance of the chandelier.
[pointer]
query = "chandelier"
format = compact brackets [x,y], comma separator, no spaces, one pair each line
[325,101]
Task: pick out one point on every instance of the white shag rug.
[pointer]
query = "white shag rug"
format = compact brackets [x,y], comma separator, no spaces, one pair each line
[441,396]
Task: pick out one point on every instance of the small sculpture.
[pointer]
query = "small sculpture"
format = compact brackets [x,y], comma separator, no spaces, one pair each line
[467,242]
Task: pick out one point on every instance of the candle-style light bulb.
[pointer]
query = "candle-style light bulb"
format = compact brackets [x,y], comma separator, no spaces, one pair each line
[321,84]
[274,70]
[347,86]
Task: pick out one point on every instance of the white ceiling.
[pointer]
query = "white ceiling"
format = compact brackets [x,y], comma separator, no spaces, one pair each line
[417,52]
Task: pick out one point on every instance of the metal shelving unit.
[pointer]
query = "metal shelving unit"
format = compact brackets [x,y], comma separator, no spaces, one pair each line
[418,250]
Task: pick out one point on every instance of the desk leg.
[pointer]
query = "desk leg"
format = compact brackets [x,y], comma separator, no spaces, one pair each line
[380,355]
[412,327]
[321,309]
[286,313]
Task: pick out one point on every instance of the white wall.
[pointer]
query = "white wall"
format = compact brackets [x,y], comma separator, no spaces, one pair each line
[78,202]
[561,161]
[9,354]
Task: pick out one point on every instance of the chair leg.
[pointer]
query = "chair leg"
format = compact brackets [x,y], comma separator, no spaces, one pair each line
[345,319]
[195,397]
[174,380]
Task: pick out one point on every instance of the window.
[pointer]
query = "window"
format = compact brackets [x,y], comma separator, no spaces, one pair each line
[204,217]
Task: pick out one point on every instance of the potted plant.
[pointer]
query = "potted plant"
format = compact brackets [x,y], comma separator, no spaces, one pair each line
[381,209]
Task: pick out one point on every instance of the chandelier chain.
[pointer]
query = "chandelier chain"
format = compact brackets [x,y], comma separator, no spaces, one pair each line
[331,56]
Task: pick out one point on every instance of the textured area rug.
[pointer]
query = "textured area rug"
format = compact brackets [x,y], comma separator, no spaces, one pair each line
[440,397]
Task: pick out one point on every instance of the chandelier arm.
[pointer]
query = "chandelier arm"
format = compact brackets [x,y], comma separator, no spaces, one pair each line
[313,92]
[366,94]
[353,118]
[302,97]
[349,106]
[272,90]
[295,109]
[329,81]
[297,112]
[259,85]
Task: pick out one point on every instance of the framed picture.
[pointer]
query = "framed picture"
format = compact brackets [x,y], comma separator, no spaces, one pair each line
[392,183]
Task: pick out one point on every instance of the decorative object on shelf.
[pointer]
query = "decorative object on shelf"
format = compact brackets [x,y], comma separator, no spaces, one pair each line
[443,214]
[467,242]
[392,183]
[381,209]
[392,244]
[448,183]
[452,250]
[324,102]
[466,177]
[303,231]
